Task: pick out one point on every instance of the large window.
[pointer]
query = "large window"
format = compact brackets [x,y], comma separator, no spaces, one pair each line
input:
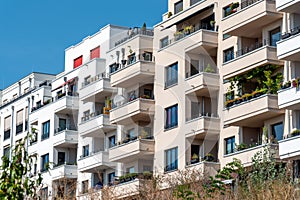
[178,7]
[6,151]
[171,157]
[7,126]
[277,131]
[230,145]
[171,75]
[275,36]
[95,53]
[171,116]
[77,62]
[228,54]
[45,130]
[44,162]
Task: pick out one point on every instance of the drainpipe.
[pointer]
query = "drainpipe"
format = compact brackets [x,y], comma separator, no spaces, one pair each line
[28,128]
[11,131]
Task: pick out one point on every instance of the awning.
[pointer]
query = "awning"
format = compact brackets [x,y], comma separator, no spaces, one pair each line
[65,83]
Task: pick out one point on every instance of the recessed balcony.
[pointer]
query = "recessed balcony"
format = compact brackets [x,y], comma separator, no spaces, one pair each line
[249,58]
[65,138]
[250,15]
[252,113]
[64,171]
[134,110]
[288,6]
[202,127]
[66,104]
[289,47]
[132,149]
[94,162]
[205,168]
[202,83]
[246,155]
[97,87]
[139,69]
[289,147]
[95,125]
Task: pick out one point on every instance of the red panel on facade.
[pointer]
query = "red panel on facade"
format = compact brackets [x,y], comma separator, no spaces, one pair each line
[77,62]
[95,53]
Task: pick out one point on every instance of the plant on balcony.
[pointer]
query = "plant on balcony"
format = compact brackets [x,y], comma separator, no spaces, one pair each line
[122,179]
[229,103]
[286,85]
[246,97]
[241,146]
[47,102]
[295,133]
[147,175]
[188,29]
[209,69]
[208,157]
[234,6]
[195,158]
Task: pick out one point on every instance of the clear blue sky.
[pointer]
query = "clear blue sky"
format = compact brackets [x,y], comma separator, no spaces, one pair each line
[35,33]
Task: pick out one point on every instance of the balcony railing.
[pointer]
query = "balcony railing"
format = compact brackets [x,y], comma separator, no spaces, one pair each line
[92,115]
[19,128]
[291,32]
[200,114]
[84,156]
[133,97]
[133,32]
[200,70]
[94,79]
[6,134]
[142,134]
[145,57]
[180,35]
[64,128]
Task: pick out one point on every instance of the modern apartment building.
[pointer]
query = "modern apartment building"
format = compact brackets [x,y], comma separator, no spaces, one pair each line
[198,90]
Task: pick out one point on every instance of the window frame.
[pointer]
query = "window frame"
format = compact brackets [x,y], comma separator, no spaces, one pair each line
[178,7]
[44,162]
[45,130]
[231,143]
[171,75]
[169,117]
[171,163]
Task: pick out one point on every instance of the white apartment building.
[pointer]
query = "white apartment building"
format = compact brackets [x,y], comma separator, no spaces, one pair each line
[193,93]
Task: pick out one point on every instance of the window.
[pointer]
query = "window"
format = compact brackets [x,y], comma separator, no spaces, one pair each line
[178,7]
[77,62]
[46,130]
[171,156]
[164,42]
[19,126]
[44,162]
[171,116]
[192,2]
[95,53]
[275,36]
[147,56]
[6,151]
[277,131]
[44,193]
[230,145]
[228,54]
[7,126]
[85,151]
[131,133]
[171,75]
[111,178]
[35,169]
[112,141]
[62,124]
[130,170]
[61,158]
[85,186]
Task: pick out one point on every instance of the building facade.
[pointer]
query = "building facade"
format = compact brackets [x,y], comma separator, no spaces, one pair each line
[194,92]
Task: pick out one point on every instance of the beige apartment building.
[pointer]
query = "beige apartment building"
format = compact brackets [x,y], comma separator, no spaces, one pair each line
[194,92]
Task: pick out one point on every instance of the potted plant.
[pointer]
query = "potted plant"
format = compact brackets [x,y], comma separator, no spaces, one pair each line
[209,69]
[195,158]
[241,146]
[122,179]
[178,35]
[212,24]
[208,157]
[133,176]
[229,103]
[127,177]
[295,133]
[147,175]
[188,29]
[170,14]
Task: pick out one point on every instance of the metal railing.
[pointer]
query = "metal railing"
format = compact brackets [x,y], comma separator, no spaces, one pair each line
[94,79]
[133,32]
[291,32]
[65,128]
[133,96]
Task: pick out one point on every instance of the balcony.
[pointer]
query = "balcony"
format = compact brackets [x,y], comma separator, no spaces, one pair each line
[134,32]
[95,162]
[97,87]
[134,110]
[289,98]
[252,113]
[132,150]
[64,172]
[289,47]
[202,37]
[202,127]
[139,70]
[66,104]
[249,58]
[288,6]
[246,155]
[65,138]
[127,189]
[205,168]
[95,125]
[202,83]
[250,15]
[289,147]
